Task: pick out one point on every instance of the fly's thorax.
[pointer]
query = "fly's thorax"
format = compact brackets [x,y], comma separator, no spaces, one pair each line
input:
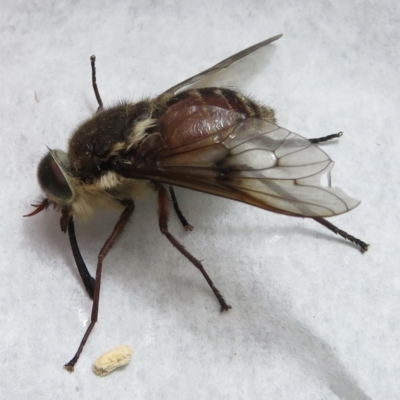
[108,191]
[88,197]
[106,134]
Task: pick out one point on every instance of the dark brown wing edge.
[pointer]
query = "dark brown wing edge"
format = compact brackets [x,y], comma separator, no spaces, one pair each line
[223,64]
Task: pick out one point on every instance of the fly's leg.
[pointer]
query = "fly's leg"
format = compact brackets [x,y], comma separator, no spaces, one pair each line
[326,138]
[363,246]
[119,227]
[163,223]
[67,224]
[178,212]
[87,279]
[94,83]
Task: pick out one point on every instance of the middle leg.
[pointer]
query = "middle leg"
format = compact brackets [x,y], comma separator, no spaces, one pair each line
[178,211]
[163,223]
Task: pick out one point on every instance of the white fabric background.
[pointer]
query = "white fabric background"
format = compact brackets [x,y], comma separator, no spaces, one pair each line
[312,318]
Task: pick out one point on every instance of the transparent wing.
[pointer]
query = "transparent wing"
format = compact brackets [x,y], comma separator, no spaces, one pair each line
[255,162]
[221,65]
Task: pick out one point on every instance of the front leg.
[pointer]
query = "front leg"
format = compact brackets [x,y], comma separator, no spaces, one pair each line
[118,229]
[87,279]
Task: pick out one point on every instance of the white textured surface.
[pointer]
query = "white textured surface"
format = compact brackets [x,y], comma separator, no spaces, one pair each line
[311,317]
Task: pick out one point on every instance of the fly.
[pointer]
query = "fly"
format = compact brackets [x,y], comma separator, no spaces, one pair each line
[213,140]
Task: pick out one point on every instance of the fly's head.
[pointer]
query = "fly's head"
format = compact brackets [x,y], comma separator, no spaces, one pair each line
[58,184]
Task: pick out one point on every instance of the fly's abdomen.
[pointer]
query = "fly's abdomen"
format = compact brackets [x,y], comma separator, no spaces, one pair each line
[194,114]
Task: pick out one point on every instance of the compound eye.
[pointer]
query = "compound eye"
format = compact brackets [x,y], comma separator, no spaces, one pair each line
[52,180]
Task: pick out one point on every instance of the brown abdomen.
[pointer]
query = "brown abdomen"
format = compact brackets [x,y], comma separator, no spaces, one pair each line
[194,114]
